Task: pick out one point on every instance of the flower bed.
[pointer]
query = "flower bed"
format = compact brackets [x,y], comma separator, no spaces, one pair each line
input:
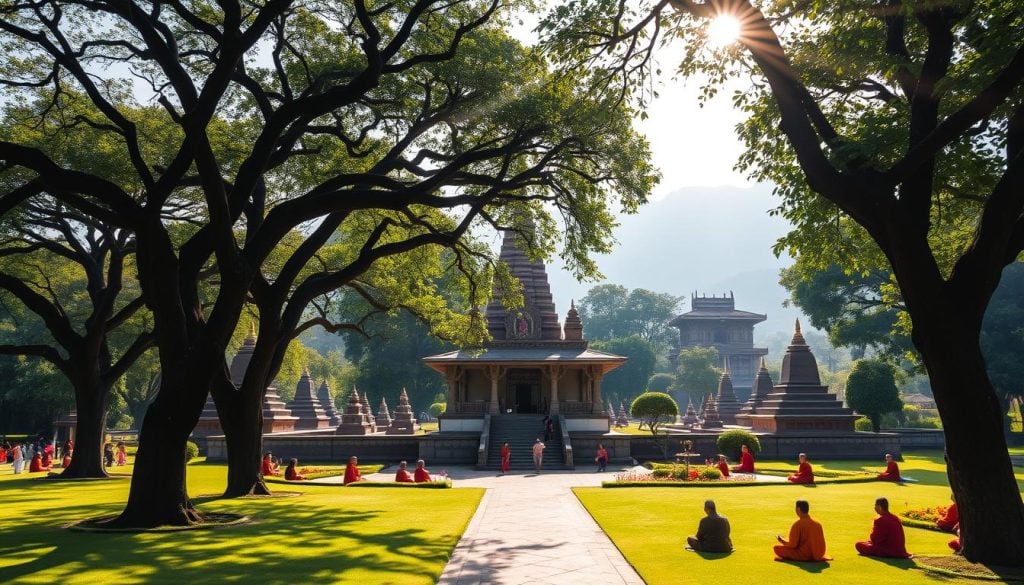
[924,517]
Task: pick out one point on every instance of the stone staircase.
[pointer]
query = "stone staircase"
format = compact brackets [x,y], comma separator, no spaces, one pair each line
[520,431]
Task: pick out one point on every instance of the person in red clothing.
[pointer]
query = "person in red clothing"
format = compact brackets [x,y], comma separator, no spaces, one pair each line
[723,466]
[887,539]
[506,458]
[403,475]
[67,458]
[421,475]
[746,461]
[47,459]
[268,468]
[892,471]
[602,458]
[352,470]
[949,522]
[291,473]
[37,464]
[955,543]
[804,473]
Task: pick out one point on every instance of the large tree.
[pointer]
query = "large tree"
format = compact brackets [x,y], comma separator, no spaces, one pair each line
[283,122]
[892,115]
[629,379]
[612,310]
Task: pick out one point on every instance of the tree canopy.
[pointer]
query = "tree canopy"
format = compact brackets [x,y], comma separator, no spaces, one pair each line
[612,310]
[871,390]
[629,379]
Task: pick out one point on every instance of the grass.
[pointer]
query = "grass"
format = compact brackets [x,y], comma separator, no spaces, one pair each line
[650,525]
[326,535]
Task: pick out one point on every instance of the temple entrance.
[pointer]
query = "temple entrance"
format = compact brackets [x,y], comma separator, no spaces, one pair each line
[524,399]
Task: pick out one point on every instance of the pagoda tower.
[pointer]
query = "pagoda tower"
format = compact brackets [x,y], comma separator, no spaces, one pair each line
[690,418]
[403,423]
[368,412]
[383,419]
[761,388]
[725,400]
[623,419]
[711,418]
[326,398]
[306,406]
[353,420]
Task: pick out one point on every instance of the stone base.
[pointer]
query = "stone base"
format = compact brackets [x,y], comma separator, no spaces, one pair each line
[840,423]
[312,424]
[353,429]
[277,426]
[402,430]
[207,427]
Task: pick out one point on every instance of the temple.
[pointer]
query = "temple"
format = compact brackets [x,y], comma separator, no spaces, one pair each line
[715,322]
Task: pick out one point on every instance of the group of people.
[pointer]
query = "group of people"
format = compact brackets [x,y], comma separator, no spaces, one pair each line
[805,473]
[115,455]
[270,467]
[806,542]
[37,456]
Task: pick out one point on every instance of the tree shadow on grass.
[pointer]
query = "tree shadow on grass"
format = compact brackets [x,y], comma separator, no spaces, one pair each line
[818,567]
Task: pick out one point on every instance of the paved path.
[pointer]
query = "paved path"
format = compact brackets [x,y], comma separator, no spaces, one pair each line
[532,529]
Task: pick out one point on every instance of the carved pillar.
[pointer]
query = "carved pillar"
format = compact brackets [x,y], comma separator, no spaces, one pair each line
[597,401]
[556,373]
[494,372]
[450,376]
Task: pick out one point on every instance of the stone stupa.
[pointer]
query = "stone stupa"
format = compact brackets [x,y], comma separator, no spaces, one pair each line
[725,400]
[306,406]
[326,398]
[711,418]
[623,418]
[383,418]
[353,420]
[368,412]
[690,418]
[403,422]
[762,387]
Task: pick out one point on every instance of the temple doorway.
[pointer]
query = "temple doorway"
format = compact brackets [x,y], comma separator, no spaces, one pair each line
[524,399]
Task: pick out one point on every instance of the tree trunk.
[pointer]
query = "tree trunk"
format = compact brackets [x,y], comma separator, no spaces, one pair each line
[978,463]
[91,401]
[241,418]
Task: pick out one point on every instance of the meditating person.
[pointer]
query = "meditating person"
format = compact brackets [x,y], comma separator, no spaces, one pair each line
[36,464]
[67,458]
[506,458]
[950,520]
[806,542]
[602,458]
[17,458]
[108,455]
[712,532]
[47,460]
[887,539]
[403,475]
[268,467]
[955,543]
[746,461]
[291,473]
[892,471]
[3,454]
[723,466]
[352,471]
[804,473]
[421,475]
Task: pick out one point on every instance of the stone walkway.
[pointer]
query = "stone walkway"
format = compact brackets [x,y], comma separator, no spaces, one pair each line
[532,529]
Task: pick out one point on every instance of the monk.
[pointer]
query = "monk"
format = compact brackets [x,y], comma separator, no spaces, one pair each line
[47,460]
[506,458]
[712,532]
[403,475]
[892,471]
[948,522]
[291,473]
[37,464]
[746,461]
[806,542]
[421,475]
[804,473]
[67,458]
[887,539]
[352,471]
[955,543]
[268,468]
[723,466]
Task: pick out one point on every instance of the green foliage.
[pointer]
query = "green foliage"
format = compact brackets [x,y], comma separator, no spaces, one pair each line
[654,409]
[709,473]
[863,424]
[730,441]
[660,382]
[630,379]
[437,409]
[697,373]
[871,390]
[609,311]
[191,451]
[33,395]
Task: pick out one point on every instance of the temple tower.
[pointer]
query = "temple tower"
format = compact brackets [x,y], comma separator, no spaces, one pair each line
[725,401]
[762,387]
[403,423]
[711,418]
[326,398]
[353,420]
[383,420]
[306,406]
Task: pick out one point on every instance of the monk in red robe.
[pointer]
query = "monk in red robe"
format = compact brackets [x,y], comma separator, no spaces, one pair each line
[887,539]
[37,464]
[421,474]
[955,543]
[47,459]
[892,471]
[352,471]
[67,458]
[806,542]
[291,473]
[804,473]
[268,468]
[949,522]
[506,458]
[746,461]
[723,466]
[403,475]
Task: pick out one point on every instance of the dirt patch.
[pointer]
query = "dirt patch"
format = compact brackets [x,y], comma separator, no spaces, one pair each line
[957,566]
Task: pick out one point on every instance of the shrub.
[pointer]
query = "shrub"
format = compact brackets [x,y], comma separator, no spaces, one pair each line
[661,473]
[729,443]
[437,409]
[660,382]
[191,451]
[709,473]
[863,424]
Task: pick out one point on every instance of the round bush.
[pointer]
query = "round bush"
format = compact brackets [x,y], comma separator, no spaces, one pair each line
[660,382]
[729,443]
[710,473]
[191,451]
[437,409]
[863,424]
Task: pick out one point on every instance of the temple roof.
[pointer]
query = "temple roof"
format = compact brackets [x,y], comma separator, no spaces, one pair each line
[714,308]
[526,355]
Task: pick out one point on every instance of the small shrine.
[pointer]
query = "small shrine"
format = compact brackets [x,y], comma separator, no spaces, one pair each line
[353,420]
[623,419]
[368,412]
[710,415]
[762,388]
[690,418]
[383,415]
[306,406]
[725,401]
[403,423]
[326,398]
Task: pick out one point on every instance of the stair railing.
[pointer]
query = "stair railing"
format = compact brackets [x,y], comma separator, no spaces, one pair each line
[566,443]
[485,438]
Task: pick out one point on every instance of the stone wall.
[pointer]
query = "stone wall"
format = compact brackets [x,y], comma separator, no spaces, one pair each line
[920,438]
[584,447]
[330,448]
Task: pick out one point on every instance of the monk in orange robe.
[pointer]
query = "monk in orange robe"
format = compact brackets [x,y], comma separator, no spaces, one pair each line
[352,471]
[804,473]
[291,473]
[421,474]
[267,468]
[746,461]
[949,522]
[723,466]
[403,475]
[806,542]
[887,539]
[506,458]
[892,471]
[37,464]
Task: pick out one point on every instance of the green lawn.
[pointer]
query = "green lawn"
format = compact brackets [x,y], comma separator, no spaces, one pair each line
[326,535]
[650,525]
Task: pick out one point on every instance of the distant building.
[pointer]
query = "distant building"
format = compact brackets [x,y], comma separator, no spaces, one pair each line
[715,322]
[919,400]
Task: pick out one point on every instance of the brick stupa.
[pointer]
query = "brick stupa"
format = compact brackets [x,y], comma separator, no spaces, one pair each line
[403,423]
[326,398]
[368,412]
[725,400]
[711,418]
[353,420]
[623,419]
[306,406]
[762,387]
[383,418]
[690,418]
[799,403]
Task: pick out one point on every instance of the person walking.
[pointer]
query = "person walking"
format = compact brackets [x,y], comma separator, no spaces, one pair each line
[19,458]
[602,458]
[506,458]
[538,455]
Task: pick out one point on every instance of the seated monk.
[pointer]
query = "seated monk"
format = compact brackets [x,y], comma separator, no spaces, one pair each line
[268,467]
[47,459]
[804,473]
[421,475]
[712,532]
[723,466]
[806,542]
[955,543]
[403,475]
[37,464]
[887,539]
[746,461]
[892,471]
[352,471]
[67,459]
[949,522]
[291,473]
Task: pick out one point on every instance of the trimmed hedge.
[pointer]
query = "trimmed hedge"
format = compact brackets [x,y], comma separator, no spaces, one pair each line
[729,443]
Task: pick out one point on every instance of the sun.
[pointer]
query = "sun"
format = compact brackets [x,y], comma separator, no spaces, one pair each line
[723,30]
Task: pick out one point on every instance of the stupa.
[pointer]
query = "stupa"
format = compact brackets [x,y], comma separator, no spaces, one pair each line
[611,415]
[403,423]
[306,406]
[761,388]
[725,400]
[799,403]
[690,418]
[711,418]
[353,420]
[383,419]
[623,419]
[368,412]
[326,398]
